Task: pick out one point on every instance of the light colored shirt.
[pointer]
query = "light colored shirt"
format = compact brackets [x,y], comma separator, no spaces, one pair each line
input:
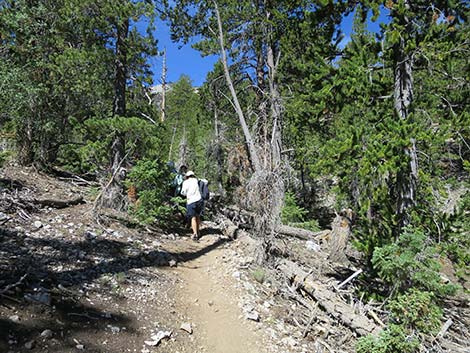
[190,189]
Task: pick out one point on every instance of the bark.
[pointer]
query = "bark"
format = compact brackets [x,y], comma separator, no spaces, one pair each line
[300,233]
[328,300]
[403,98]
[59,203]
[255,163]
[113,196]
[275,102]
[218,152]
[339,238]
[25,143]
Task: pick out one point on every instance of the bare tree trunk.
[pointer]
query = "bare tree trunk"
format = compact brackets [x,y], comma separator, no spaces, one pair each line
[113,196]
[25,143]
[403,98]
[162,118]
[218,152]
[275,102]
[248,138]
[183,149]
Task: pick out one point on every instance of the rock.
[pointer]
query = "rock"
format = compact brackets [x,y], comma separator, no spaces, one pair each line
[14,318]
[186,326]
[157,338]
[80,347]
[312,245]
[114,329]
[236,274]
[172,263]
[252,315]
[46,334]
[29,344]
[39,297]
[210,303]
[89,235]
[289,341]
[37,224]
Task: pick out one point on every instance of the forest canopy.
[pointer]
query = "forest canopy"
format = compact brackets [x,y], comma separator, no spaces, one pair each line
[294,123]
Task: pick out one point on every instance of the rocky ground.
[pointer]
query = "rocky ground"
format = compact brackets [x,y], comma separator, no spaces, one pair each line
[72,283]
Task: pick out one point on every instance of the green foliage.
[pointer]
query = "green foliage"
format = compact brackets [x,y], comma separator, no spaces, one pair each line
[291,212]
[95,136]
[412,313]
[259,275]
[416,310]
[4,156]
[151,179]
[294,215]
[457,238]
[410,262]
[395,338]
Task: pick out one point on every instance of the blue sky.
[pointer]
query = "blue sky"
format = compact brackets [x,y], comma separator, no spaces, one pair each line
[183,59]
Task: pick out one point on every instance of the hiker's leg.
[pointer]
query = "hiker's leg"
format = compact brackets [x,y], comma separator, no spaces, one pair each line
[195,226]
[198,221]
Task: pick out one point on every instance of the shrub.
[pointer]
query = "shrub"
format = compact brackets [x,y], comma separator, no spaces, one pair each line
[416,310]
[410,262]
[259,275]
[4,157]
[296,216]
[395,338]
[151,178]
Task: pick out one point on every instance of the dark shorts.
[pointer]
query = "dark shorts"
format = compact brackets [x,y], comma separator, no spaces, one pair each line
[194,209]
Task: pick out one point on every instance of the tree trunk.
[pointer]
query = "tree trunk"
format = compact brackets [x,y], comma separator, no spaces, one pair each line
[25,143]
[113,196]
[255,163]
[218,152]
[403,97]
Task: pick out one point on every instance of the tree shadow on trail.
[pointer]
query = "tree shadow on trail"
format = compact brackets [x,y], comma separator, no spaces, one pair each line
[60,266]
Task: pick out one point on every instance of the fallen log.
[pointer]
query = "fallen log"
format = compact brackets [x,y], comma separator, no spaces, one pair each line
[301,233]
[328,299]
[59,203]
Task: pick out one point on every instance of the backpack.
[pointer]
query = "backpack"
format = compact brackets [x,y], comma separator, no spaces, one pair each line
[204,189]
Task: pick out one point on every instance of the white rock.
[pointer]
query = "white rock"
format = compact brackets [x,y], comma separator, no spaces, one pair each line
[114,329]
[252,315]
[289,341]
[14,318]
[311,245]
[186,326]
[157,338]
[46,334]
[236,274]
[37,224]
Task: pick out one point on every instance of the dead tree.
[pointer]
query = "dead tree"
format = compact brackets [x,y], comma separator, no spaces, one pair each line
[403,97]
[266,186]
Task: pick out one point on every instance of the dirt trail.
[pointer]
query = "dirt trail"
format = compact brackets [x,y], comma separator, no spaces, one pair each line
[210,298]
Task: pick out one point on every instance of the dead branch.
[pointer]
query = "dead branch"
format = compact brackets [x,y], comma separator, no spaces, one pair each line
[300,233]
[349,279]
[328,300]
[59,203]
[10,286]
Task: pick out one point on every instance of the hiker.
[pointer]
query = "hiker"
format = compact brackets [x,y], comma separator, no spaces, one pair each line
[204,190]
[178,180]
[194,202]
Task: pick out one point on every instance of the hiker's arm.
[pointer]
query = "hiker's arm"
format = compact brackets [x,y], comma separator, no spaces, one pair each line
[184,189]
